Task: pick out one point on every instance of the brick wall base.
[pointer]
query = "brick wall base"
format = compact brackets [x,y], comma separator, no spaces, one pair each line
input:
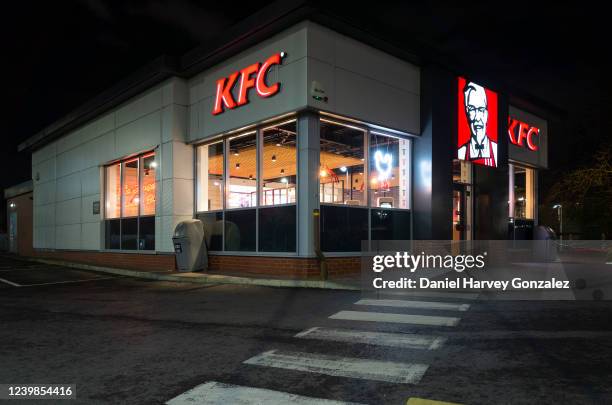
[296,267]
[132,261]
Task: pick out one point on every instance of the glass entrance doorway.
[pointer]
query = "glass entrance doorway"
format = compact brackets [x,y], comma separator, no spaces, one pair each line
[461,213]
[462,201]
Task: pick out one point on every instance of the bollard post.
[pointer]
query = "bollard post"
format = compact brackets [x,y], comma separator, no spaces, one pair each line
[316,215]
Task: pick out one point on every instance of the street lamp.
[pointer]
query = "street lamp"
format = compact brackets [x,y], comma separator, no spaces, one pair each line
[559,208]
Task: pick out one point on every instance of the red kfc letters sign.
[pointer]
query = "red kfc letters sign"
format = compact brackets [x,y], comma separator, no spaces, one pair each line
[252,76]
[522,134]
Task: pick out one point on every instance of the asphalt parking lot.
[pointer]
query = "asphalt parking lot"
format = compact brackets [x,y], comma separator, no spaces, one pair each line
[19,273]
[124,340]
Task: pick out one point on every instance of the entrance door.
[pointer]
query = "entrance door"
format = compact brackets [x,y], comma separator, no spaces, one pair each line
[13,232]
[462,213]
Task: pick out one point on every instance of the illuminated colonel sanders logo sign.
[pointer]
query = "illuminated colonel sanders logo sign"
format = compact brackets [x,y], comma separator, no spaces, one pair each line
[477,124]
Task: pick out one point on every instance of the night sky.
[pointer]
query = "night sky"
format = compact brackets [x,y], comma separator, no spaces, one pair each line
[60,54]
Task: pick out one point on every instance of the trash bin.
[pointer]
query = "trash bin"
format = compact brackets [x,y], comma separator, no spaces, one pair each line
[545,244]
[189,246]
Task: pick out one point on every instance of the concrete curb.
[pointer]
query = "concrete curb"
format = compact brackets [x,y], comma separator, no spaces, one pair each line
[203,278]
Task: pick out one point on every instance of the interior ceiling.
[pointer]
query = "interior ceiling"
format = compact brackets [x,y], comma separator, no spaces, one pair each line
[285,160]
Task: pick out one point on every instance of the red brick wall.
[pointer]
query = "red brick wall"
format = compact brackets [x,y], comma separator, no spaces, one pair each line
[133,261]
[296,267]
[284,266]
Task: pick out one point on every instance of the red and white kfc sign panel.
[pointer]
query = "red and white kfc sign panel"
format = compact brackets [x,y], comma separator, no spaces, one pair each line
[477,123]
[253,76]
[522,134]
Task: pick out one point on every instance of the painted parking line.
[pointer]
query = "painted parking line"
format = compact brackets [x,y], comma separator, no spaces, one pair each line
[69,281]
[9,282]
[403,340]
[422,401]
[22,268]
[445,306]
[350,367]
[434,294]
[213,393]
[396,318]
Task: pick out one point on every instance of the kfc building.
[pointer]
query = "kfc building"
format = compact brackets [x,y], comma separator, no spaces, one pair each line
[304,134]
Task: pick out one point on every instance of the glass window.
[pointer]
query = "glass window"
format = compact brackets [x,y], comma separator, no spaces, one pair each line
[250,170]
[113,191]
[131,192]
[524,192]
[213,229]
[242,169]
[390,224]
[343,228]
[462,171]
[389,171]
[240,228]
[130,199]
[129,233]
[147,197]
[113,234]
[277,228]
[209,160]
[146,233]
[341,175]
[279,166]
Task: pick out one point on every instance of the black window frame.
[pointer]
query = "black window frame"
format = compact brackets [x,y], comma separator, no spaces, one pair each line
[140,243]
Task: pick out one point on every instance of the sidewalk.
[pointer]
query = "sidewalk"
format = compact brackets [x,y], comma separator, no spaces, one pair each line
[352,284]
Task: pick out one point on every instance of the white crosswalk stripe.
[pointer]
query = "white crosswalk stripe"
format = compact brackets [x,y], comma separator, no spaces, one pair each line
[365,369]
[396,318]
[403,340]
[432,294]
[215,393]
[445,306]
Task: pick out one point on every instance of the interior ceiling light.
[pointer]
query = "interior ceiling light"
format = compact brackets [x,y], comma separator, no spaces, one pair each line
[274,158]
[237,165]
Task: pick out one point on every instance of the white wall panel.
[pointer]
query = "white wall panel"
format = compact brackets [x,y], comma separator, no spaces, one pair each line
[69,141]
[68,187]
[44,215]
[44,193]
[100,126]
[166,198]
[99,151]
[375,102]
[44,237]
[87,214]
[45,171]
[90,236]
[175,92]
[369,62]
[70,161]
[140,135]
[90,181]
[44,153]
[166,160]
[68,236]
[141,106]
[182,156]
[68,212]
[182,197]
[174,123]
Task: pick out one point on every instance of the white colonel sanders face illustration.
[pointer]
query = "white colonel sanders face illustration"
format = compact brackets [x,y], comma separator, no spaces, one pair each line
[476,110]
